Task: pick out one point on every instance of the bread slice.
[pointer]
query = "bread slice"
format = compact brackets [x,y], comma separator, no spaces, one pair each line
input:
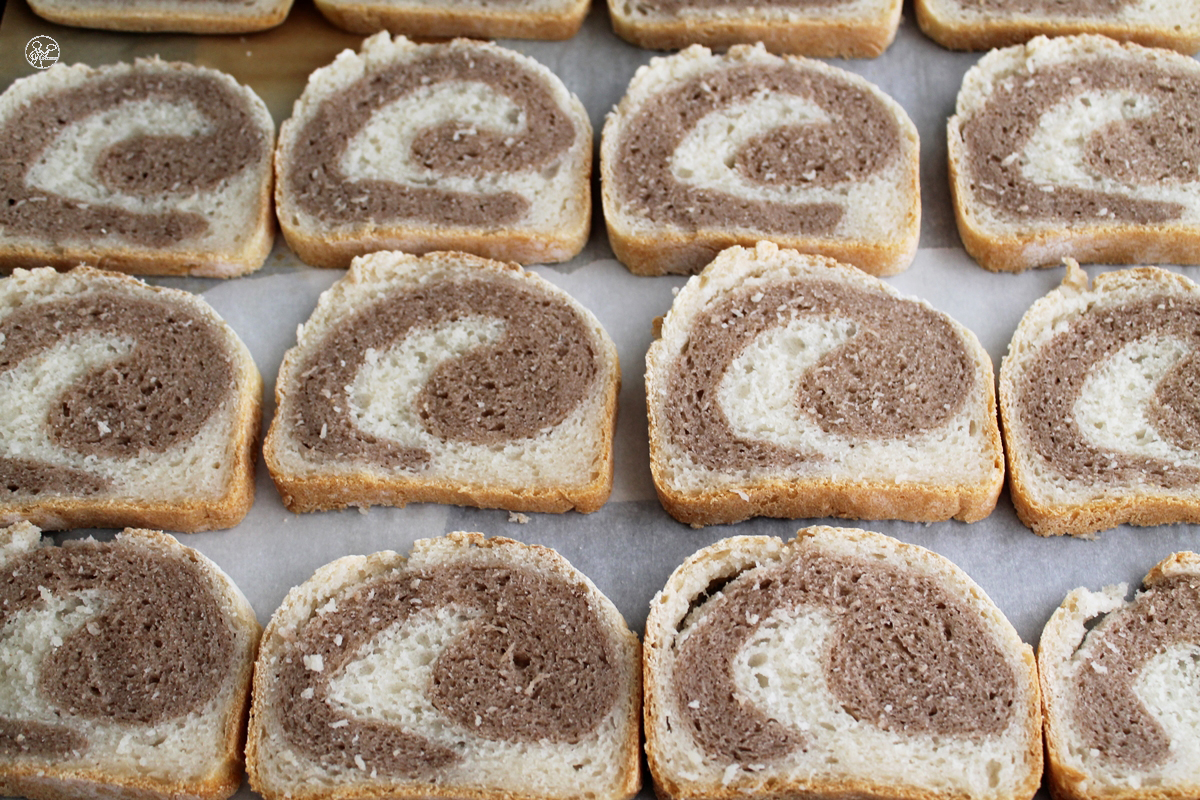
[1097,399]
[527,19]
[124,669]
[1077,147]
[1119,682]
[445,378]
[790,385]
[151,168]
[167,16]
[122,404]
[853,29]
[460,146]
[708,151]
[477,668]
[842,663]
[984,24]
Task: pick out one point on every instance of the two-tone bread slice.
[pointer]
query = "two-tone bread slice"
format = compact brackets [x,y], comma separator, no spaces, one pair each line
[707,151]
[840,664]
[150,168]
[479,668]
[834,29]
[1098,402]
[790,385]
[124,669]
[445,378]
[511,19]
[984,24]
[122,405]
[460,146]
[1121,689]
[174,16]
[1078,147]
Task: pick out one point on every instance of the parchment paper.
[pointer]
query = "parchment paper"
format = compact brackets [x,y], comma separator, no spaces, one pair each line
[630,546]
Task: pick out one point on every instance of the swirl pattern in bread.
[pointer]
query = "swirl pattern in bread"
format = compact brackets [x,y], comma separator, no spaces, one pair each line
[791,385]
[124,669]
[123,404]
[1078,147]
[477,667]
[149,168]
[1121,688]
[445,378]
[831,29]
[461,146]
[1097,396]
[707,151]
[840,664]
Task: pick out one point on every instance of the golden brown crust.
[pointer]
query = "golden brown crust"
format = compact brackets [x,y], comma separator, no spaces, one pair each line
[163,262]
[788,499]
[673,253]
[426,22]
[174,19]
[1000,32]
[828,38]
[1099,515]
[37,784]
[337,250]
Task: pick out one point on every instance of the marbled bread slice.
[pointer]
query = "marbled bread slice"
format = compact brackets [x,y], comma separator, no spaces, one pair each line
[445,378]
[984,24]
[124,669]
[169,16]
[790,385]
[477,668]
[1098,403]
[1121,689]
[842,663]
[122,404]
[836,29]
[707,151]
[511,19]
[459,146]
[151,168]
[1078,147]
